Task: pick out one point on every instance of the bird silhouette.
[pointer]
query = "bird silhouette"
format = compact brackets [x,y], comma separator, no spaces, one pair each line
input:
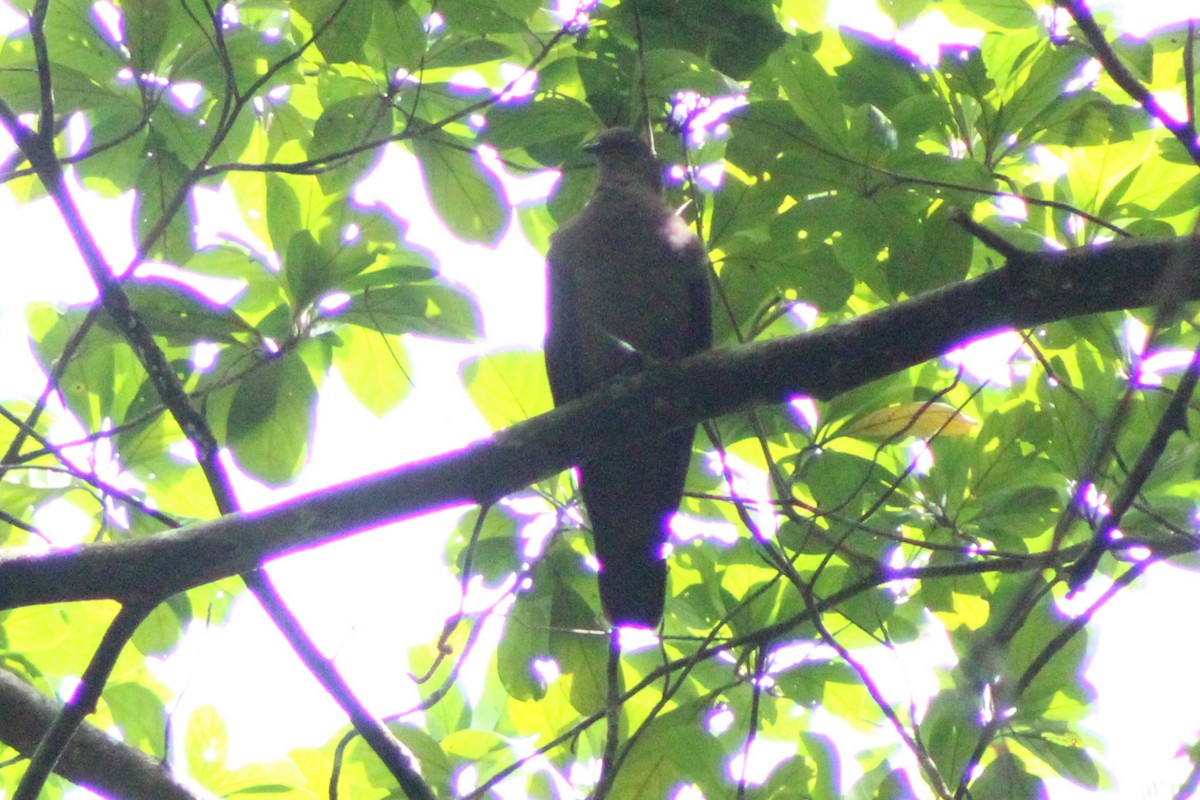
[628,286]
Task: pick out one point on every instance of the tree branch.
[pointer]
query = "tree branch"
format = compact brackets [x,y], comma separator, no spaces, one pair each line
[70,717]
[1184,132]
[39,150]
[92,759]
[373,731]
[1030,290]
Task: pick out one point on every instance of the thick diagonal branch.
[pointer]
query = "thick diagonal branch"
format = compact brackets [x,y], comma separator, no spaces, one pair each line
[1029,290]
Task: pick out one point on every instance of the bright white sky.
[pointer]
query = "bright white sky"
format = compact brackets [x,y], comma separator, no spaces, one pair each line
[368,598]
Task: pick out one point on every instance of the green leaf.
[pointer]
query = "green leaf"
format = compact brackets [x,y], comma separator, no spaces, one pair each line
[434,765]
[951,728]
[344,126]
[206,746]
[306,270]
[89,385]
[145,434]
[581,651]
[73,90]
[805,683]
[744,42]
[245,51]
[526,638]
[456,51]
[271,417]
[451,718]
[90,52]
[508,386]
[793,775]
[812,93]
[1057,685]
[344,26]
[1137,55]
[883,783]
[546,119]
[671,749]
[181,314]
[146,23]
[118,130]
[495,554]
[187,131]
[399,33]
[283,210]
[262,287]
[270,778]
[1007,515]
[1084,118]
[872,135]
[162,179]
[488,16]
[1012,16]
[431,309]
[1043,85]
[820,750]
[376,368]
[139,714]
[1068,760]
[466,196]
[1006,777]
[842,482]
[394,275]
[160,632]
[762,131]
[672,71]
[473,746]
[546,621]
[905,12]
[881,73]
[941,255]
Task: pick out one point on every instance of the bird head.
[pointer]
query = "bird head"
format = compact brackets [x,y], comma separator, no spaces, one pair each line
[625,159]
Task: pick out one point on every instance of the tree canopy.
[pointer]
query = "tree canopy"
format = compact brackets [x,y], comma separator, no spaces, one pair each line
[862,487]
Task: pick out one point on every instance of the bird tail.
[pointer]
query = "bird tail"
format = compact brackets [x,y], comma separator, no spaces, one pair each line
[633,588]
[630,497]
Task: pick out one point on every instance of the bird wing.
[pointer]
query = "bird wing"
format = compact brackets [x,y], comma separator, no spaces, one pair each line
[700,334]
[561,330]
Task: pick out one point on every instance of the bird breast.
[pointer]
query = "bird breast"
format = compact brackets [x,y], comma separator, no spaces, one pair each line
[633,282]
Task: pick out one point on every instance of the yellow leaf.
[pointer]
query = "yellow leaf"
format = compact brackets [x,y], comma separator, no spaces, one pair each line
[913,419]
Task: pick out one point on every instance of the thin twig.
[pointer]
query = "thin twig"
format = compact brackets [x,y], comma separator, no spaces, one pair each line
[612,714]
[708,647]
[315,166]
[83,702]
[986,235]
[89,478]
[760,665]
[1174,418]
[1189,71]
[37,33]
[1074,626]
[196,429]
[373,731]
[1184,132]
[932,774]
